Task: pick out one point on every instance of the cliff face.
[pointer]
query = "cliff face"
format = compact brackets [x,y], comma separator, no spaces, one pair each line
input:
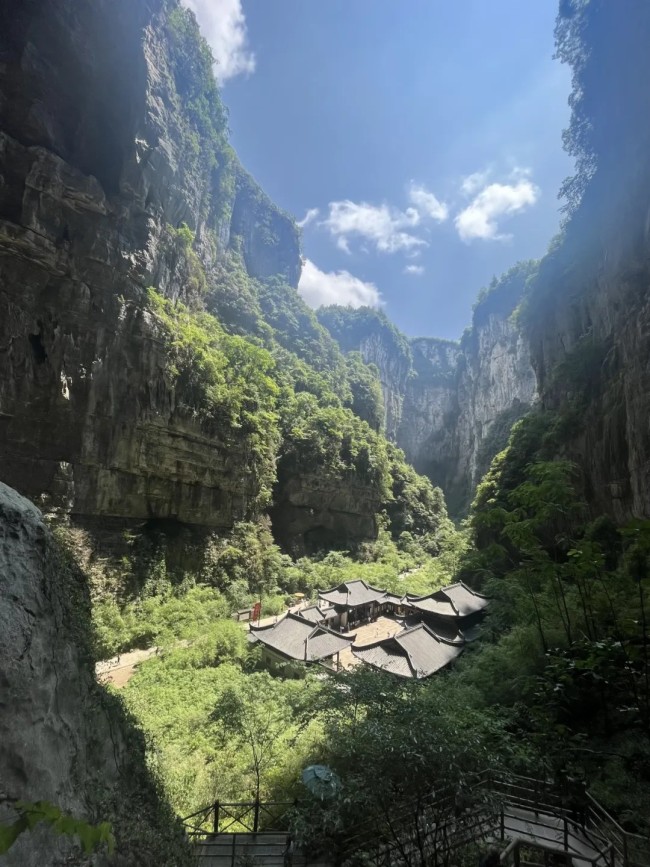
[62,738]
[450,406]
[591,349]
[588,315]
[98,164]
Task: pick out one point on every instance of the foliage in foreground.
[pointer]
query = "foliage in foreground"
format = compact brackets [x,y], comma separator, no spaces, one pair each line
[30,815]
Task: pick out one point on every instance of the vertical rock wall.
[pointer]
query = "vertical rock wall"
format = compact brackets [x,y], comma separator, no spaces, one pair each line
[98,170]
[62,738]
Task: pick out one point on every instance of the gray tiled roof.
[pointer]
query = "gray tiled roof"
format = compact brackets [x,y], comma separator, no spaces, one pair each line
[456,600]
[464,599]
[352,594]
[297,638]
[317,613]
[416,652]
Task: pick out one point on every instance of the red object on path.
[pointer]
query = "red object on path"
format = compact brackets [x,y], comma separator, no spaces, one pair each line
[257,610]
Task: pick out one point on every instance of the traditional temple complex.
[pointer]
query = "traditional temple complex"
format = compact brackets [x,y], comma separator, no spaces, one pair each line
[295,639]
[412,653]
[436,628]
[357,602]
[454,610]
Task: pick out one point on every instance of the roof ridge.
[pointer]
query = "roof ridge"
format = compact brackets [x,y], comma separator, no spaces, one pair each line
[441,638]
[323,628]
[472,591]
[409,658]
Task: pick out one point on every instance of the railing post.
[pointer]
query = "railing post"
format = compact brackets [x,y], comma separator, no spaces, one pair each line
[256,816]
[612,856]
[503,824]
[517,855]
[625,852]
[234,851]
[566,834]
[215,820]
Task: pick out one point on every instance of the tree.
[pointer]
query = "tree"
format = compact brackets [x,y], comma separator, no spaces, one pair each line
[256,724]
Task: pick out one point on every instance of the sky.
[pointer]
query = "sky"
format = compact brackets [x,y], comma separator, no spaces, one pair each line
[418,142]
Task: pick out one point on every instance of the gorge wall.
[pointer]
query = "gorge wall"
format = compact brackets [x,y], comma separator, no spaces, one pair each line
[63,738]
[97,165]
[588,311]
[450,405]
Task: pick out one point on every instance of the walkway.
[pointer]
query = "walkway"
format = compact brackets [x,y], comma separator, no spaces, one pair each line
[119,670]
[547,830]
[263,850]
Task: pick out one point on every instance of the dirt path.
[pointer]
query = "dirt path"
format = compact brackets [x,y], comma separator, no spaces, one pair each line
[120,669]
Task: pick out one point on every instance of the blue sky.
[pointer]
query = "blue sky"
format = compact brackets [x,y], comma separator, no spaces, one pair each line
[420,140]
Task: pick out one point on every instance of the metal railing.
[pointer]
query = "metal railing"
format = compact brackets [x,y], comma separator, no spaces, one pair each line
[572,818]
[440,826]
[241,817]
[521,854]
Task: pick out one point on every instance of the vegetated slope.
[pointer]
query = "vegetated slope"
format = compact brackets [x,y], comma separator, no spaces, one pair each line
[160,365]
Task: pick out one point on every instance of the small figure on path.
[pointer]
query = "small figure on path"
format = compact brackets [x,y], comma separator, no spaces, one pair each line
[288,852]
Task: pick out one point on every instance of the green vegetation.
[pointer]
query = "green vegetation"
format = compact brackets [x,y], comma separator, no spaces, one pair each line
[568,618]
[225,382]
[192,63]
[367,401]
[350,326]
[223,732]
[30,815]
[504,293]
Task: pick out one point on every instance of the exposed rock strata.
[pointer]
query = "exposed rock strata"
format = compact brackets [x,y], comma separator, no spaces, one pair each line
[96,168]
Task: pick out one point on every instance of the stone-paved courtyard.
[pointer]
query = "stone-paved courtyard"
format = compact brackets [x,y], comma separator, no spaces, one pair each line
[383,627]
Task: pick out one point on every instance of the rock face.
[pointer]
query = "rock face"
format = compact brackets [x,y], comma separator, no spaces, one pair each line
[61,738]
[312,514]
[450,406]
[96,169]
[590,338]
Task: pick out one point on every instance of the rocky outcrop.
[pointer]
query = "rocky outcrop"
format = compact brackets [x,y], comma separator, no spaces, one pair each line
[98,164]
[371,333]
[62,738]
[312,513]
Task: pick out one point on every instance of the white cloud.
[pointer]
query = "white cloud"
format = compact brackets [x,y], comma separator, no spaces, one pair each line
[473,183]
[416,270]
[335,287]
[480,218]
[309,217]
[223,24]
[427,204]
[380,224]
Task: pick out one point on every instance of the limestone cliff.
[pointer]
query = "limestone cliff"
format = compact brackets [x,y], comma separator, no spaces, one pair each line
[452,404]
[372,334]
[588,314]
[100,160]
[63,739]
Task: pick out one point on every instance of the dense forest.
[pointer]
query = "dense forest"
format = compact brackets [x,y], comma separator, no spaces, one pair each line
[558,684]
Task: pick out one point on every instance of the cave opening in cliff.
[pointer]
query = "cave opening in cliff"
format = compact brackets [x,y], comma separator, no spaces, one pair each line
[38,350]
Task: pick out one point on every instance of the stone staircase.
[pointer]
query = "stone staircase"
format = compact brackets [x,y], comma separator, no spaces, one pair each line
[517,814]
